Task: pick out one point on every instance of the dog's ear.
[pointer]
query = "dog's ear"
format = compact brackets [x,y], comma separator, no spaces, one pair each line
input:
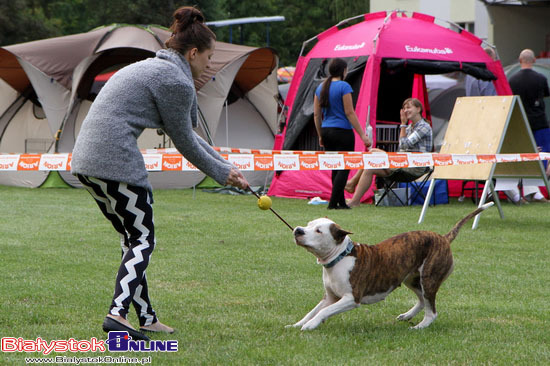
[338,233]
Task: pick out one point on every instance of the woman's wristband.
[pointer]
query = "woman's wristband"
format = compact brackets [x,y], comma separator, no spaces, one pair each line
[402,125]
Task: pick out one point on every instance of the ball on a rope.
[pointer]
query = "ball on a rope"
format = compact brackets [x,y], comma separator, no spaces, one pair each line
[264,203]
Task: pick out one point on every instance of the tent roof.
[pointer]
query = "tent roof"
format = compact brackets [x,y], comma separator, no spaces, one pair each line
[259,64]
[58,57]
[396,35]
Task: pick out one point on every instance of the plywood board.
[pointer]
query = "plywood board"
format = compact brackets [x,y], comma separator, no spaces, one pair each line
[518,139]
[487,125]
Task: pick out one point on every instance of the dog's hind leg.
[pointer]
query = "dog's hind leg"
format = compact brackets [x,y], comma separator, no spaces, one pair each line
[432,276]
[429,315]
[413,282]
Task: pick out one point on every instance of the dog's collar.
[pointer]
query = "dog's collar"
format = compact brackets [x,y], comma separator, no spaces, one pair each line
[347,251]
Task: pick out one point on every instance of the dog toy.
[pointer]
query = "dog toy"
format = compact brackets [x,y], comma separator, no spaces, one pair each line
[264,203]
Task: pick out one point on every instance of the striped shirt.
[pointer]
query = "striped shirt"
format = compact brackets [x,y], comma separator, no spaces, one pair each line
[419,138]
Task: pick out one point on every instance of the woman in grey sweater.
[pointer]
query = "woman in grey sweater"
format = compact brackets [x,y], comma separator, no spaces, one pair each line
[155,93]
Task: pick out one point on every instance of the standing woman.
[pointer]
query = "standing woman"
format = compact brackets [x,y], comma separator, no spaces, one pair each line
[335,120]
[155,93]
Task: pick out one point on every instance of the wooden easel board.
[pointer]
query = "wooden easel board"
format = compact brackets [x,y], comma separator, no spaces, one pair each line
[518,139]
[488,125]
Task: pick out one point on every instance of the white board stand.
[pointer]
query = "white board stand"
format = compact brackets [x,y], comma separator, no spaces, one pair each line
[487,125]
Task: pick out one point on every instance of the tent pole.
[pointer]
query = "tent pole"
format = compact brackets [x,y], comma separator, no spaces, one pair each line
[204,125]
[226,125]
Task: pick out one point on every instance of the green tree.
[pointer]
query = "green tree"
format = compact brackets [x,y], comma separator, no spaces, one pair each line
[303,20]
[26,20]
[23,21]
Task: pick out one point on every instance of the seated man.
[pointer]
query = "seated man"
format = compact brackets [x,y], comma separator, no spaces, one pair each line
[416,137]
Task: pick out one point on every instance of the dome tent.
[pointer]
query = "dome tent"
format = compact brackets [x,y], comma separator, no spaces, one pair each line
[388,54]
[47,87]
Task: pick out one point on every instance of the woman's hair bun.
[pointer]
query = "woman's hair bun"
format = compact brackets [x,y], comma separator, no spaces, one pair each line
[187,15]
[189,30]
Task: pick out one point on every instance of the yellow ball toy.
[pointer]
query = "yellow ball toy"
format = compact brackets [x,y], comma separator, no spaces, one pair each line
[264,203]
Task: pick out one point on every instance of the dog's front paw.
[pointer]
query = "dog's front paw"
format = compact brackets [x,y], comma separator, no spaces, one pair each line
[404,317]
[295,325]
[310,325]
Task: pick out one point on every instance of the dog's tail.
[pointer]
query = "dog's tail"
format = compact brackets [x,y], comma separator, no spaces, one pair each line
[451,235]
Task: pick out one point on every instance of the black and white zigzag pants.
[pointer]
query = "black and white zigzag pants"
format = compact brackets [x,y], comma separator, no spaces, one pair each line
[130,210]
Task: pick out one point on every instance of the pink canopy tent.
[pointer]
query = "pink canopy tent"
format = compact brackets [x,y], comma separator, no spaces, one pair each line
[388,54]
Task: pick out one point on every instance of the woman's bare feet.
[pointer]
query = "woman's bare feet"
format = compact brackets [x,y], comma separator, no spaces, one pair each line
[157,327]
[350,187]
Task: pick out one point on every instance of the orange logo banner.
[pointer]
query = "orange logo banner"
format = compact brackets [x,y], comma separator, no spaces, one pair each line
[331,161]
[8,162]
[353,161]
[398,161]
[242,161]
[29,162]
[488,158]
[376,161]
[172,162]
[309,162]
[263,162]
[443,159]
[286,162]
[529,157]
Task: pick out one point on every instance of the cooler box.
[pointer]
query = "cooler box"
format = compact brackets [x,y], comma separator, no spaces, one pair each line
[440,193]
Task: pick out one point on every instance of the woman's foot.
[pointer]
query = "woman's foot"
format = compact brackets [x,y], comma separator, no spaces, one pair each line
[352,204]
[157,327]
[350,187]
[115,323]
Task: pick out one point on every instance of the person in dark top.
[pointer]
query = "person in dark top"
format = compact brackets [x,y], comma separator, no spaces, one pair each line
[532,87]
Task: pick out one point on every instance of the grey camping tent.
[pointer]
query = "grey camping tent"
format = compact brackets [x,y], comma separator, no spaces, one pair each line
[47,87]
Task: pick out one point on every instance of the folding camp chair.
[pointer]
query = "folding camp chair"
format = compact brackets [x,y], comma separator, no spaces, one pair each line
[390,183]
[478,184]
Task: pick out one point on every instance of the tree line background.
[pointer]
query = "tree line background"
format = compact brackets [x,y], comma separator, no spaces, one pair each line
[29,20]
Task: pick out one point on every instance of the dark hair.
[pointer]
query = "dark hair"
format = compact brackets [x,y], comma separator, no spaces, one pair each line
[415,102]
[189,31]
[336,68]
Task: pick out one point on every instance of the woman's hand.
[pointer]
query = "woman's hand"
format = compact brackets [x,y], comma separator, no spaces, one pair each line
[367,141]
[236,179]
[321,142]
[403,116]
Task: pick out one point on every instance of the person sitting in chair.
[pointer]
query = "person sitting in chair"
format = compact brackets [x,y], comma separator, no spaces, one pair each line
[414,137]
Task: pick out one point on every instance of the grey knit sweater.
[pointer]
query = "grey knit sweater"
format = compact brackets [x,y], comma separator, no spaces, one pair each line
[155,93]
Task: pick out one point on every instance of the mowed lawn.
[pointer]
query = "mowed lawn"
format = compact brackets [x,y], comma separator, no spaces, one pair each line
[229,277]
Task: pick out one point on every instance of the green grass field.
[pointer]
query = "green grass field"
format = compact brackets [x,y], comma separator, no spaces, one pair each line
[229,277]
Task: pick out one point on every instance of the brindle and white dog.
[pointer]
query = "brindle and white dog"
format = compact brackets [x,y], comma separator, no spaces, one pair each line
[356,274]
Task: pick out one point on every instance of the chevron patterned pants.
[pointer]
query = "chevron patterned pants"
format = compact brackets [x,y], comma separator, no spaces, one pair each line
[130,211]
